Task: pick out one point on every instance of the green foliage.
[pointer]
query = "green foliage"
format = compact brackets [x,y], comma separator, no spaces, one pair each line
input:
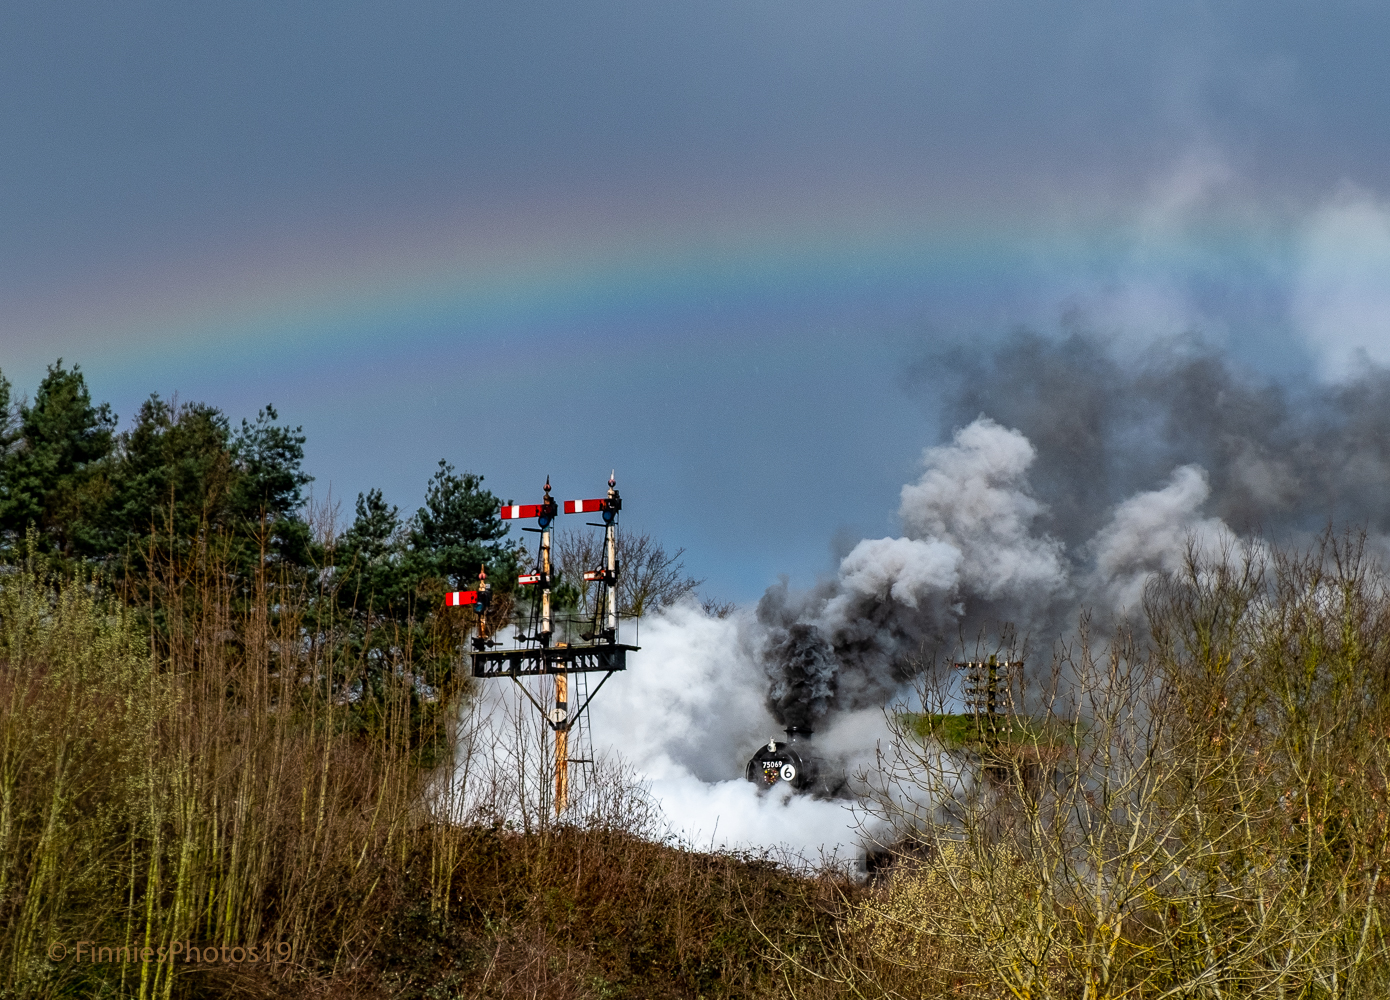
[389,570]
[183,493]
[171,477]
[390,574]
[50,465]
[269,459]
[9,434]
[954,731]
[458,530]
[267,491]
[949,730]
[179,472]
[369,560]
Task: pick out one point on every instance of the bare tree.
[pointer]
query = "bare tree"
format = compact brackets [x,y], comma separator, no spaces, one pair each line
[1202,815]
[649,577]
[717,609]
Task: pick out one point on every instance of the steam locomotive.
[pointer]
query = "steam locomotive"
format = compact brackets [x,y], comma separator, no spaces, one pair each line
[791,762]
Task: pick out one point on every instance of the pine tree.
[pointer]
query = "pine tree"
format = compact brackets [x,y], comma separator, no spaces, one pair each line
[459,529]
[370,577]
[172,476]
[51,469]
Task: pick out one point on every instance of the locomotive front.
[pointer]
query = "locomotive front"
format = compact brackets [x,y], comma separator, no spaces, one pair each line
[786,761]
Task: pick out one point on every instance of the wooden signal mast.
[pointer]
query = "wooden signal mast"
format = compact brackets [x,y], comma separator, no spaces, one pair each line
[601,653]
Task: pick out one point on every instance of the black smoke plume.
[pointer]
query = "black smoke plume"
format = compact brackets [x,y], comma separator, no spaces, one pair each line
[1281,459]
[802,690]
[1067,477]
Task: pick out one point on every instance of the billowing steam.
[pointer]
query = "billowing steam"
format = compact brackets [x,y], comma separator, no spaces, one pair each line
[1074,480]
[969,545]
[1069,479]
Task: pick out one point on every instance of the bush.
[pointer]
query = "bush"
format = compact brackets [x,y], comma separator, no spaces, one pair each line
[207,789]
[1203,814]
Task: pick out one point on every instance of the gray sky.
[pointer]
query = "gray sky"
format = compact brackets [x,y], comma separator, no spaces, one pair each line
[703,243]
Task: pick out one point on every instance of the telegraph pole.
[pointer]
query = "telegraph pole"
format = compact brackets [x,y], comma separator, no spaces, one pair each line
[982,695]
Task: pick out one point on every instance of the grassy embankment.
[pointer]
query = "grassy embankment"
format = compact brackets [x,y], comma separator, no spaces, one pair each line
[1209,819]
[227,783]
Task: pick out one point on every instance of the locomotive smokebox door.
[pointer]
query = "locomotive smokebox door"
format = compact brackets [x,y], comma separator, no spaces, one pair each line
[778,763]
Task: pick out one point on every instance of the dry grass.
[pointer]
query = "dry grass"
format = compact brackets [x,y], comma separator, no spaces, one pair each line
[1203,814]
[208,784]
[593,913]
[219,780]
[1206,817]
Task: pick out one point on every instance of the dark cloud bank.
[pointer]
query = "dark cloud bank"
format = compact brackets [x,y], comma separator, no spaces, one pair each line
[1069,477]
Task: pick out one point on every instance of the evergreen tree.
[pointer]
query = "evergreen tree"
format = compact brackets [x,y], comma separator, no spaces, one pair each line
[459,529]
[9,434]
[370,578]
[172,476]
[384,567]
[51,466]
[390,576]
[179,472]
[267,491]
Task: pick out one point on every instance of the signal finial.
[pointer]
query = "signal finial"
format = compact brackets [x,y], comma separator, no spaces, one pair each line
[547,485]
[612,479]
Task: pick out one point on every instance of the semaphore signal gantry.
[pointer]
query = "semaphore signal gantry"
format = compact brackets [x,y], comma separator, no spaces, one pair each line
[601,651]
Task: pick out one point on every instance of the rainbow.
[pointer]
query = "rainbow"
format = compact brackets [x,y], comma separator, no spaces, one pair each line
[646,272]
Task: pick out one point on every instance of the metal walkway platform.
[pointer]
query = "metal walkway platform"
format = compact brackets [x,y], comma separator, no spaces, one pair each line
[604,658]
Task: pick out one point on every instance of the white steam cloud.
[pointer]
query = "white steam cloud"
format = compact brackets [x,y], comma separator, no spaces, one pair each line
[971,541]
[703,693]
[1342,296]
[1150,533]
[974,496]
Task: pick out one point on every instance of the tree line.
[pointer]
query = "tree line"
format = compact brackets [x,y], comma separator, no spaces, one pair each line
[185,485]
[96,496]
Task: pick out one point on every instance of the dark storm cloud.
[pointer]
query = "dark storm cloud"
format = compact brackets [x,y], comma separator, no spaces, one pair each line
[1074,473]
[129,124]
[1282,459]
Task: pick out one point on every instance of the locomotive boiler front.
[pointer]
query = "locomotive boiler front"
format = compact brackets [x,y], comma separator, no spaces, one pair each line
[784,762]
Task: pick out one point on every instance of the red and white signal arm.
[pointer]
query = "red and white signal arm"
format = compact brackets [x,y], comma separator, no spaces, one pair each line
[593,575]
[458,598]
[583,506]
[520,510]
[527,579]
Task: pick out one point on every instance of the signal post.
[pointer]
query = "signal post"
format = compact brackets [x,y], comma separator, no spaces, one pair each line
[537,654]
